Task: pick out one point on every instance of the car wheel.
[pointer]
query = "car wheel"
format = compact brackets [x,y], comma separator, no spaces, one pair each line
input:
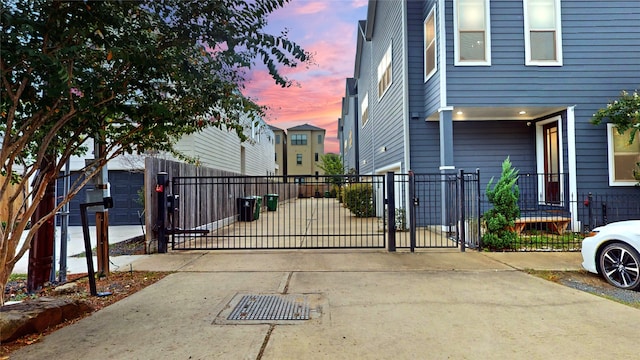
[620,266]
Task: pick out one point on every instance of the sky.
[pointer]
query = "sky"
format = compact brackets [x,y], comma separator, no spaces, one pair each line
[327,29]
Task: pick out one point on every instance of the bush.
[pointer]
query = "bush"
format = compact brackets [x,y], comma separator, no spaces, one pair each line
[359,199]
[500,220]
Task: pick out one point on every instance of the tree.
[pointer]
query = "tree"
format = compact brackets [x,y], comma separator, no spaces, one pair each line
[625,114]
[134,75]
[500,220]
[332,165]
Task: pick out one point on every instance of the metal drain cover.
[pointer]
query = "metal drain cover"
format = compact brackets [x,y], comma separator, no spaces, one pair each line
[271,307]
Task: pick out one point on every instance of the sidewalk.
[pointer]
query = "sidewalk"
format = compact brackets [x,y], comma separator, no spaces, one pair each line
[75,246]
[363,305]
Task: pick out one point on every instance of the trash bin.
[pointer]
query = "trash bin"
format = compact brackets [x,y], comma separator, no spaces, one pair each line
[272,202]
[256,213]
[246,208]
[327,194]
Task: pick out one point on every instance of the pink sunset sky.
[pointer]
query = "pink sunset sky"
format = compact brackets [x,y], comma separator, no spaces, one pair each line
[327,29]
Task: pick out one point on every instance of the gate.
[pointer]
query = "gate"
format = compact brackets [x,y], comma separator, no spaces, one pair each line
[252,212]
[439,211]
[320,212]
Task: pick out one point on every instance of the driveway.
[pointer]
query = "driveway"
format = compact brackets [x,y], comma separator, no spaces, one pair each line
[363,305]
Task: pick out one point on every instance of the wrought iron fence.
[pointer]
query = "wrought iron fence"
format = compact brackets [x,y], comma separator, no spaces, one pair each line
[561,227]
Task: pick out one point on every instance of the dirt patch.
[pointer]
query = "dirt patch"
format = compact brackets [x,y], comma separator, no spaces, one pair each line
[591,283]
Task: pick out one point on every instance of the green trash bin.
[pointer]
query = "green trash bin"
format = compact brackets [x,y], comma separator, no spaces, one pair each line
[272,202]
[256,213]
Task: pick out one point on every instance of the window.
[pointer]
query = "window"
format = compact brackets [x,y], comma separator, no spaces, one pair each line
[298,159]
[275,158]
[345,145]
[384,73]
[350,139]
[317,157]
[319,139]
[472,36]
[430,57]
[364,109]
[299,139]
[542,35]
[623,157]
[277,139]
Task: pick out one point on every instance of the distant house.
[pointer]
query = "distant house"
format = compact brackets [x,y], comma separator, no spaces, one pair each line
[305,148]
[280,154]
[440,86]
[216,148]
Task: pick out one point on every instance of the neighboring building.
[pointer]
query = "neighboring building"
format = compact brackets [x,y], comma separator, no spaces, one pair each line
[305,149]
[280,154]
[447,85]
[213,147]
[348,128]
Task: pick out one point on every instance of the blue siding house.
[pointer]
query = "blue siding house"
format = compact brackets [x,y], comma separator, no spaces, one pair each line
[443,85]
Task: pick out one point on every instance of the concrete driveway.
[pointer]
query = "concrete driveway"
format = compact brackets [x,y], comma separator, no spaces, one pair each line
[363,305]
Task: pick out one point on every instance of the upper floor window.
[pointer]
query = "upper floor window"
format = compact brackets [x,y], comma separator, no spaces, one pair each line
[317,157]
[430,55]
[542,33]
[384,73]
[364,109]
[473,32]
[319,139]
[350,139]
[277,139]
[298,159]
[299,139]
[623,157]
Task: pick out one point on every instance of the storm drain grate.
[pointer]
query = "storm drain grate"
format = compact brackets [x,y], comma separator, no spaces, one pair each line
[271,307]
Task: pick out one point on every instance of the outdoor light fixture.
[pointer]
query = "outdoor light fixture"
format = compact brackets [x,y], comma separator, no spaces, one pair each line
[522,112]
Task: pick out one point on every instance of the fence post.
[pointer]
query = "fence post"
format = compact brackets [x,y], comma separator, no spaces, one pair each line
[412,211]
[162,180]
[461,205]
[589,202]
[391,211]
[479,210]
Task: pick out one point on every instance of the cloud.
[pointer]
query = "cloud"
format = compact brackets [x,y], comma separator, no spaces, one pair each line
[327,29]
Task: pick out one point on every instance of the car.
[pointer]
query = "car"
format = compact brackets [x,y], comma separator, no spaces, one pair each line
[613,251]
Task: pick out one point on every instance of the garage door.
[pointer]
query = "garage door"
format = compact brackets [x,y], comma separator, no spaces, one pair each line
[124,191]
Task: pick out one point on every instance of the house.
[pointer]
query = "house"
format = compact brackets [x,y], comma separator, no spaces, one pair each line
[443,85]
[348,128]
[305,147]
[280,154]
[216,148]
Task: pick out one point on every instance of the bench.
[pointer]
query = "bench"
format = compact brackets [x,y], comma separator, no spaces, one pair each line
[556,224]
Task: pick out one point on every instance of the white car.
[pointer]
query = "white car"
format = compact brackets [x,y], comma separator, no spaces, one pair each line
[613,251]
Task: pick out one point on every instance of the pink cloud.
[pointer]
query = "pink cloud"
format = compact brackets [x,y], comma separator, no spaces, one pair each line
[328,30]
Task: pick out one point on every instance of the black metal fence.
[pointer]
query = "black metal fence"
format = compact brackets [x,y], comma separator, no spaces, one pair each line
[305,212]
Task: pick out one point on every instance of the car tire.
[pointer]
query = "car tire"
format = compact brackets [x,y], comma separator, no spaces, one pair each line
[620,266]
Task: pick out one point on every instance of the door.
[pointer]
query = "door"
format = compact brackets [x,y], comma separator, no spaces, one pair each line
[551,163]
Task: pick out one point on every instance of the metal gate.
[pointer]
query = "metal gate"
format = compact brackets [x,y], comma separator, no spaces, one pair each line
[250,212]
[321,212]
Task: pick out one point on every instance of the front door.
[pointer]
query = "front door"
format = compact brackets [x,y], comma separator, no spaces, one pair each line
[551,163]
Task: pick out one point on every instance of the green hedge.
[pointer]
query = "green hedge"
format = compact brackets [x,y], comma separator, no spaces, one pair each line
[359,199]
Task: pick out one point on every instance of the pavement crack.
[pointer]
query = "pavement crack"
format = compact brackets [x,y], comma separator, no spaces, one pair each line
[265,342]
[285,289]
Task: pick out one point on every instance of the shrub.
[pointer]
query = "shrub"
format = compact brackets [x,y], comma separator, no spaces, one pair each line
[359,199]
[500,220]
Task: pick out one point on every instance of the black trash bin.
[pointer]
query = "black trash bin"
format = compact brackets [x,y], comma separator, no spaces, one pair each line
[246,206]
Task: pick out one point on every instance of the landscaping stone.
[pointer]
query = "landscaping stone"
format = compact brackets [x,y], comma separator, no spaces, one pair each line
[36,315]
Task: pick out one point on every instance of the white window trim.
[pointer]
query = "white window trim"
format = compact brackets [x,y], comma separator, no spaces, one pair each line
[388,52]
[487,38]
[364,106]
[611,159]
[432,13]
[527,38]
